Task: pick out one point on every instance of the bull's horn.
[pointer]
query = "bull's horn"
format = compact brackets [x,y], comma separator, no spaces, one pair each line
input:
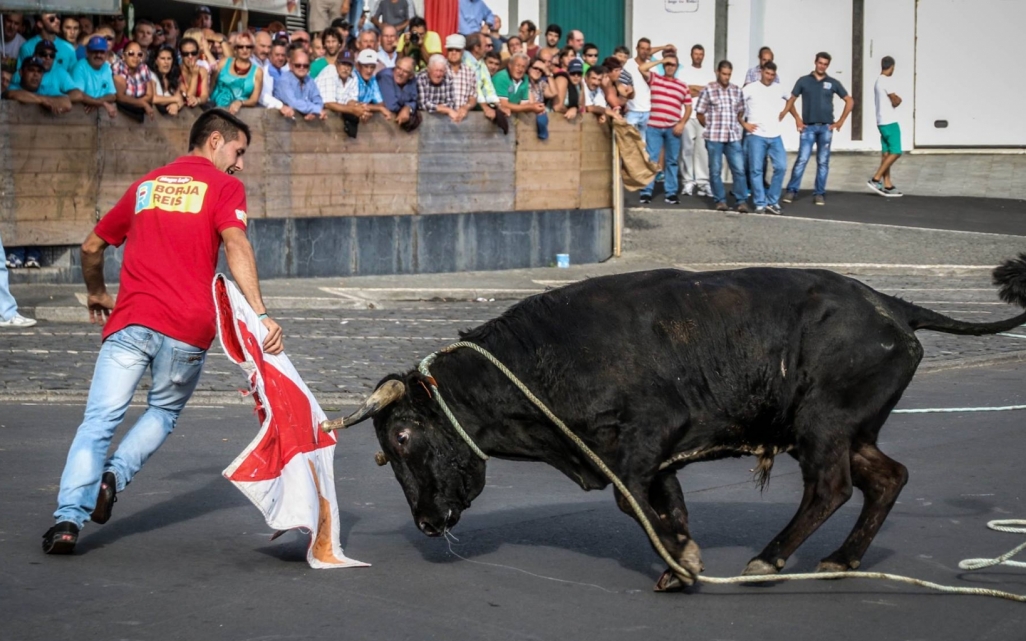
[381,459]
[390,392]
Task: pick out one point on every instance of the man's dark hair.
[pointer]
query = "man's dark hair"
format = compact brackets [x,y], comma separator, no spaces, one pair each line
[698,48]
[724,64]
[763,50]
[531,27]
[588,46]
[772,66]
[293,46]
[599,69]
[645,40]
[554,28]
[417,21]
[473,40]
[331,31]
[622,49]
[280,42]
[886,62]
[217,120]
[493,55]
[611,63]
[824,55]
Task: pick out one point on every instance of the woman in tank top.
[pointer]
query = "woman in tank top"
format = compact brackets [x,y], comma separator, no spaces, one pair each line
[195,79]
[239,79]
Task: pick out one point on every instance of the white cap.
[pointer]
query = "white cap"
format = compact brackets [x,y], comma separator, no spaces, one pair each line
[367,57]
[455,41]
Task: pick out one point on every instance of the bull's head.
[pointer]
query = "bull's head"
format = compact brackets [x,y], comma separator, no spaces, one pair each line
[437,470]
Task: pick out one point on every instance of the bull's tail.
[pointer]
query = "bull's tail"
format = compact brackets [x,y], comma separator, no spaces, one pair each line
[1009,277]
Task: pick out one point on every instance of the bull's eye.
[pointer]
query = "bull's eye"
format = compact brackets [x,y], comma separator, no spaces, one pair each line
[403,438]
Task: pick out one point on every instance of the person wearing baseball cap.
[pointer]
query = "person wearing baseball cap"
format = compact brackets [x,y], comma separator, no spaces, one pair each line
[201,18]
[93,76]
[368,91]
[32,70]
[569,99]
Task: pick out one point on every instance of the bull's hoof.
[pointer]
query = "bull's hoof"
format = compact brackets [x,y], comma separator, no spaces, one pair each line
[833,565]
[670,582]
[691,558]
[758,567]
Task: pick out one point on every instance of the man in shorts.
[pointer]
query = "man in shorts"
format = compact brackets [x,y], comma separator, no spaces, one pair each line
[890,132]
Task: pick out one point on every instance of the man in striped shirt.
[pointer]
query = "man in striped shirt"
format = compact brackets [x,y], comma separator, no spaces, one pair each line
[671,108]
[718,108]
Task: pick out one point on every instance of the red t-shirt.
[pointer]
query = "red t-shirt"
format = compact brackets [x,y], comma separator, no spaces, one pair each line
[669,96]
[172,220]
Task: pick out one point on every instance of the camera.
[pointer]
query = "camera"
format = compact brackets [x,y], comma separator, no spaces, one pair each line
[415,38]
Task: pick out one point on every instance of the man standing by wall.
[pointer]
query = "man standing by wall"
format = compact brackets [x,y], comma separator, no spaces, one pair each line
[890,132]
[174,220]
[817,125]
[763,101]
[694,157]
[639,107]
[720,106]
[671,109]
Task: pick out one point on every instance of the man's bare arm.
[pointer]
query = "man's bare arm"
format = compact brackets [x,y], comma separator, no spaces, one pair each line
[242,264]
[99,302]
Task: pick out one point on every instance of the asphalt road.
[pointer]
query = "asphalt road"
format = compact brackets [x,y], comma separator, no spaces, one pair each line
[187,557]
[987,215]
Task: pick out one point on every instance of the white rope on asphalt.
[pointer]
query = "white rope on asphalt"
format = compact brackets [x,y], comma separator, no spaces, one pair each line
[1003,526]
[951,410]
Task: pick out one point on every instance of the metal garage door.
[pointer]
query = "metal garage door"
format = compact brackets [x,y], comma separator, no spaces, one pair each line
[602,21]
[968,93]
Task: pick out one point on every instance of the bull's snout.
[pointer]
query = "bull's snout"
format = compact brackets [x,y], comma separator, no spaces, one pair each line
[437,527]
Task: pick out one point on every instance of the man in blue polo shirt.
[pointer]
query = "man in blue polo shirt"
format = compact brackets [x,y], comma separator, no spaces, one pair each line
[93,76]
[28,91]
[49,27]
[817,125]
[56,81]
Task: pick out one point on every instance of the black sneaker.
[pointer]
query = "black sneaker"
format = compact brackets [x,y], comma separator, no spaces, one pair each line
[107,498]
[672,200]
[644,200]
[789,196]
[774,209]
[61,538]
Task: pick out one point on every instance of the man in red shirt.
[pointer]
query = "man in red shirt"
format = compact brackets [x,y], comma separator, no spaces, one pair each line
[671,108]
[172,223]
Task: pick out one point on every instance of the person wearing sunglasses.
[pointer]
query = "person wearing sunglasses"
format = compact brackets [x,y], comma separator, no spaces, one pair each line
[56,82]
[27,92]
[543,90]
[195,77]
[134,83]
[119,26]
[298,90]
[48,27]
[239,79]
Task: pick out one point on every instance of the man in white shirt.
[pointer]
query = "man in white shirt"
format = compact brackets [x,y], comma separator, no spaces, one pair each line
[694,159]
[890,132]
[276,53]
[13,40]
[764,100]
[387,53]
[640,104]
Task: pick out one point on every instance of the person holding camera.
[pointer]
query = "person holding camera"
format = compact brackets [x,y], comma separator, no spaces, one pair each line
[419,43]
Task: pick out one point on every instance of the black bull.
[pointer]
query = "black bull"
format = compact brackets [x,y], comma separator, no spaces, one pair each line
[656,370]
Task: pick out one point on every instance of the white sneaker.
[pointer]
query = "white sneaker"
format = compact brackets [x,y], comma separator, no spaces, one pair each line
[705,191]
[18,321]
[689,189]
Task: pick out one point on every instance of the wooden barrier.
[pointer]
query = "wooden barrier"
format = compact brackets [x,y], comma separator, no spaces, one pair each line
[61,173]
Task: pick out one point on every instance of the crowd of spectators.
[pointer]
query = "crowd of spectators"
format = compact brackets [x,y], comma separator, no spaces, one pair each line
[389,63]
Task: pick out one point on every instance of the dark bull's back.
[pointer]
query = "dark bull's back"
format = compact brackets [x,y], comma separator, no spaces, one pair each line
[656,370]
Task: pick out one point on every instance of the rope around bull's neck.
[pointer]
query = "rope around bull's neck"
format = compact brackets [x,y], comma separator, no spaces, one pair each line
[1009,525]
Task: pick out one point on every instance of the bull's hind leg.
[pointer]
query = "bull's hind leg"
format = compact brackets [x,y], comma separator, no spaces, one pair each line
[825,470]
[667,499]
[880,479]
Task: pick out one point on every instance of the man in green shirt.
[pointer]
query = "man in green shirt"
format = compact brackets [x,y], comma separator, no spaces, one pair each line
[513,88]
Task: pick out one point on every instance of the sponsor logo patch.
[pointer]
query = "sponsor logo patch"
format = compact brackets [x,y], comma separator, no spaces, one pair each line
[171,193]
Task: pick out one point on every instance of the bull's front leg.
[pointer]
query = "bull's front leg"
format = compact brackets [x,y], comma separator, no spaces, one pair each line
[678,544]
[667,499]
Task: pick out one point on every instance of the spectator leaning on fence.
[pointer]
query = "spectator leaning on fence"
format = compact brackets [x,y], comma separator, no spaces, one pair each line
[298,90]
[27,91]
[763,101]
[167,82]
[56,81]
[239,80]
[367,83]
[195,77]
[398,88]
[513,87]
[569,99]
[671,109]
[719,105]
[13,40]
[49,27]
[134,83]
[462,76]
[487,100]
[435,89]
[340,90]
[94,76]
[538,75]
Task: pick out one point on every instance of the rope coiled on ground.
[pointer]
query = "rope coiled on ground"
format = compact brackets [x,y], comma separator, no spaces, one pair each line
[1009,525]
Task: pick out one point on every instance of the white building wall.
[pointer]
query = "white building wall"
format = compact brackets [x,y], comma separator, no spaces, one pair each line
[682,23]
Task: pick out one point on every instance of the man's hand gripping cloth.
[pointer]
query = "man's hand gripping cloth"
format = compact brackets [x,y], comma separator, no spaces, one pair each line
[287,470]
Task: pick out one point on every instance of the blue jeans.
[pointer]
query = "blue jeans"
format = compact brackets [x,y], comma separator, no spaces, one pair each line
[655,140]
[124,358]
[820,135]
[639,120]
[8,306]
[736,162]
[758,149]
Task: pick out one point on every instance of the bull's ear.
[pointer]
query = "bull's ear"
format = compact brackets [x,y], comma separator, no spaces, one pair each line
[420,387]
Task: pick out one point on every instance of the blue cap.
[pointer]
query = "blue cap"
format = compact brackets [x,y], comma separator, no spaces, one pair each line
[96,43]
[575,66]
[33,62]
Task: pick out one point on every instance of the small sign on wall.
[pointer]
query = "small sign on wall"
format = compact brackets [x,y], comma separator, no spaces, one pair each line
[681,6]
